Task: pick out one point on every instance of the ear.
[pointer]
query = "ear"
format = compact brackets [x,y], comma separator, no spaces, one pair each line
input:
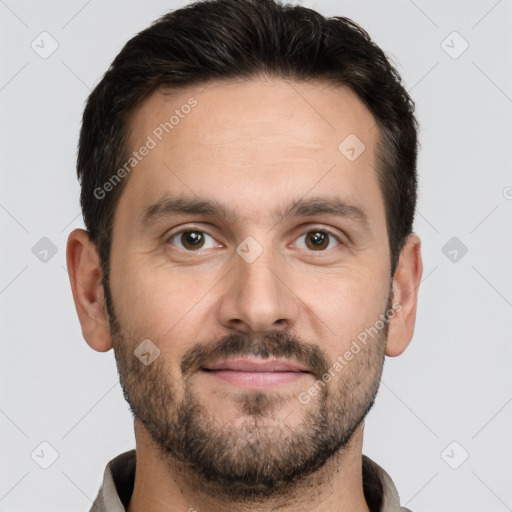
[85,277]
[406,281]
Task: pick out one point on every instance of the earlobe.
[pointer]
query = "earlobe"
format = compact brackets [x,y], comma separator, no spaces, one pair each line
[406,282]
[85,278]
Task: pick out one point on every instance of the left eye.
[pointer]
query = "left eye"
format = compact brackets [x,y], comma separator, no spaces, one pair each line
[318,240]
[192,240]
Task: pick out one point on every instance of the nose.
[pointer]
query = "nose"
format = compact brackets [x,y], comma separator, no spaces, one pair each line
[257,297]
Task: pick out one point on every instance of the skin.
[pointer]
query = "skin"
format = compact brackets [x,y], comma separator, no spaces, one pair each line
[252,146]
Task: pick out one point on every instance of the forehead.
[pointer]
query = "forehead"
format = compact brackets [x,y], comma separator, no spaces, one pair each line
[251,144]
[231,111]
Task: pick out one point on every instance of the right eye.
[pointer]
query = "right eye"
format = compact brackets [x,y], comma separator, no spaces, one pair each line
[191,240]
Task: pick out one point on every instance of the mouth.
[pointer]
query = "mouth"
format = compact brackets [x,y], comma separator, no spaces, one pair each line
[256,373]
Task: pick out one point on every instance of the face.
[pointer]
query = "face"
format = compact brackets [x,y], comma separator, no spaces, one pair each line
[250,247]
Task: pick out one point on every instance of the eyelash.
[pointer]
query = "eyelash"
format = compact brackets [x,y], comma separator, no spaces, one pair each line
[312,230]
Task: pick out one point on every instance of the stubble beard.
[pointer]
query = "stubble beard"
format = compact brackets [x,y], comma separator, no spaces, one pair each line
[259,457]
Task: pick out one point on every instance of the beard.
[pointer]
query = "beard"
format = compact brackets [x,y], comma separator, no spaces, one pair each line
[258,457]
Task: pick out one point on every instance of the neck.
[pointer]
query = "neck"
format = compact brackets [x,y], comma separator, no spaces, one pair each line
[161,486]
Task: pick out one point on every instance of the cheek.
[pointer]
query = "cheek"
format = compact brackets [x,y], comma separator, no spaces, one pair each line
[164,305]
[345,303]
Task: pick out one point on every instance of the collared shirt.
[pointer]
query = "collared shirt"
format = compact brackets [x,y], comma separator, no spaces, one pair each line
[119,478]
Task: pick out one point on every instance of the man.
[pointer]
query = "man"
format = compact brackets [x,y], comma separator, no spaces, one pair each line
[248,174]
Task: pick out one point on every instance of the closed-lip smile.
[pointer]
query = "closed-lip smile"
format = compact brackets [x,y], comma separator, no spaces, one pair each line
[255,372]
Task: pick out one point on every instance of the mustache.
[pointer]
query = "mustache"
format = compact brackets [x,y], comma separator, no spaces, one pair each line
[277,344]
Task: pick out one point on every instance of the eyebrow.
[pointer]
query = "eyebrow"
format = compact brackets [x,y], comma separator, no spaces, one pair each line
[181,206]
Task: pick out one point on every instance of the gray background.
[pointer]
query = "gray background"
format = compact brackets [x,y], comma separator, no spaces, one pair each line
[451,385]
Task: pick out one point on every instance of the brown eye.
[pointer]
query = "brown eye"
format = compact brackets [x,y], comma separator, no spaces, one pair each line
[191,240]
[318,240]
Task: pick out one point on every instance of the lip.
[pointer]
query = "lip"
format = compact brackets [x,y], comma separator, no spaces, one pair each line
[256,364]
[256,373]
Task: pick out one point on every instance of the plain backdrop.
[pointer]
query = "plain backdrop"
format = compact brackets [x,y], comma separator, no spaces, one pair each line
[443,419]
